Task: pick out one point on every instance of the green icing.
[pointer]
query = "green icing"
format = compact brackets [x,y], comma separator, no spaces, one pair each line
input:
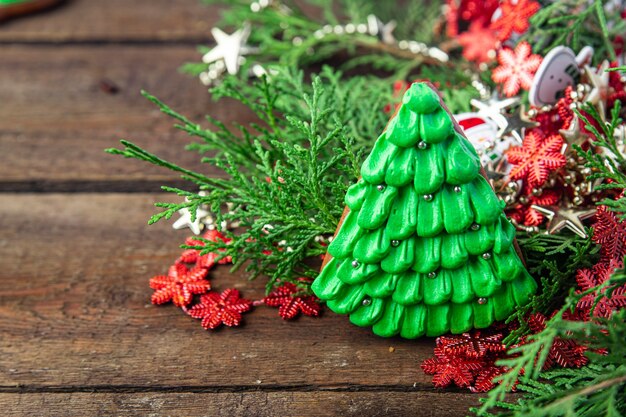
[401,170]
[356,195]
[403,217]
[429,169]
[367,315]
[458,215]
[425,248]
[404,131]
[414,323]
[435,127]
[376,206]
[372,247]
[408,290]
[375,165]
[346,238]
[430,216]
[462,162]
[391,321]
[427,254]
[381,286]
[400,257]
[421,99]
[461,318]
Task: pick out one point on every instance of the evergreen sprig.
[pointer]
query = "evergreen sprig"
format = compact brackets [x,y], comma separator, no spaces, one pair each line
[285,175]
[597,389]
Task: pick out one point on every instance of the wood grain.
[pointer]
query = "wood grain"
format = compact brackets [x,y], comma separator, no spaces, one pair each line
[75,313]
[97,21]
[259,404]
[60,119]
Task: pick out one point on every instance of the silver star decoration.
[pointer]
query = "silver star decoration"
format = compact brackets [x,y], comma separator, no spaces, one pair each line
[229,48]
[573,135]
[496,109]
[559,218]
[599,86]
[382,30]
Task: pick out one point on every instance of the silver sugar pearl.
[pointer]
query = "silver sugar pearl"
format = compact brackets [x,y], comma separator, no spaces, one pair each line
[355,264]
[482,300]
[486,256]
[381,187]
[366,301]
[428,197]
[432,275]
[422,145]
[475,226]
[457,189]
[395,243]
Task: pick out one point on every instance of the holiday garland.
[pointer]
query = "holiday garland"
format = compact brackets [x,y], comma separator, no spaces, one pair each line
[538,91]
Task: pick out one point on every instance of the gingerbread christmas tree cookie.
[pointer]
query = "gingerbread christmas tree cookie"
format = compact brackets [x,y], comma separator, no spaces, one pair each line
[425,248]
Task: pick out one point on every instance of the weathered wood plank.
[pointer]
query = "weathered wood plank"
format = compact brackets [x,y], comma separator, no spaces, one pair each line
[238,404]
[75,312]
[116,21]
[56,119]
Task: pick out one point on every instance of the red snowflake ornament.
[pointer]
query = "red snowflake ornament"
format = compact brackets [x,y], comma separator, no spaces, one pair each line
[216,309]
[514,18]
[447,369]
[517,68]
[590,278]
[192,256]
[610,233]
[536,159]
[472,345]
[563,352]
[479,43]
[484,378]
[179,285]
[528,216]
[290,303]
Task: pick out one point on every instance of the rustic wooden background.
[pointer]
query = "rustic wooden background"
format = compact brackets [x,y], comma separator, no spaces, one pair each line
[78,336]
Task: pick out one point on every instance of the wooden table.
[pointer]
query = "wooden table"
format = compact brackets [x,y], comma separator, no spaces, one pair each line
[78,334]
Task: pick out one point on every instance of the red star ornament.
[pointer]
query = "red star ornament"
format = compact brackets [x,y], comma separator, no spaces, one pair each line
[216,309]
[179,285]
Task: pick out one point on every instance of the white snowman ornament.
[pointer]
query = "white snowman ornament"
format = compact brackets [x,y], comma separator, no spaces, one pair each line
[558,70]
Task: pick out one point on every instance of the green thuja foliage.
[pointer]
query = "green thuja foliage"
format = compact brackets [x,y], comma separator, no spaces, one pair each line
[284,175]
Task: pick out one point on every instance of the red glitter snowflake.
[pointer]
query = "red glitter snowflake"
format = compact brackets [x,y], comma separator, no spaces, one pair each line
[526,215]
[291,303]
[563,352]
[517,68]
[536,158]
[592,277]
[514,18]
[179,285]
[192,256]
[610,233]
[216,309]
[447,369]
[484,378]
[479,43]
[472,345]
